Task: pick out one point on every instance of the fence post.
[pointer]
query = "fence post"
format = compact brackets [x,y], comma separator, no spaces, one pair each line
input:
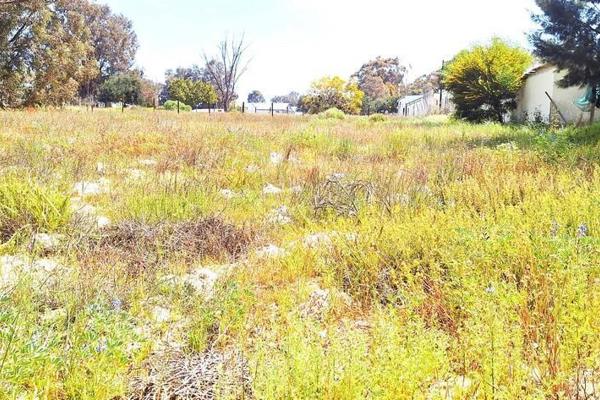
[243,107]
[272,109]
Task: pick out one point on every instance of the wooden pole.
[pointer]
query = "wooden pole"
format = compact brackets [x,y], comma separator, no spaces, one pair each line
[557,109]
[272,109]
[243,107]
[177,106]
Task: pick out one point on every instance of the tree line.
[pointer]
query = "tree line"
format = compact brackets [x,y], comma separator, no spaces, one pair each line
[53,52]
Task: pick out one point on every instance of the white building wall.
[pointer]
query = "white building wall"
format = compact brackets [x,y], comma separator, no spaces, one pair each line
[532,102]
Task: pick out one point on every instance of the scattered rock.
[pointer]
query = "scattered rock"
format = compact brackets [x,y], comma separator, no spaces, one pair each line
[228,194]
[317,305]
[54,316]
[336,177]
[135,174]
[315,240]
[102,222]
[453,388]
[12,268]
[280,216]
[297,189]
[46,265]
[586,385]
[91,188]
[252,169]
[48,242]
[510,146]
[100,168]
[203,281]
[148,162]
[271,251]
[272,189]
[276,158]
[161,314]
[9,269]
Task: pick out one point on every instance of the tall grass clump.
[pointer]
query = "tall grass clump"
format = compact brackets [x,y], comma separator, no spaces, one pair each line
[27,206]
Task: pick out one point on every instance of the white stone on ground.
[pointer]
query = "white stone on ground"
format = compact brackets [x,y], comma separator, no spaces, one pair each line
[320,239]
[336,177]
[510,146]
[13,267]
[455,387]
[203,281]
[280,216]
[317,305]
[161,314]
[101,168]
[227,194]
[102,222]
[148,162]
[135,174]
[85,188]
[46,265]
[271,251]
[48,241]
[276,158]
[272,189]
[251,169]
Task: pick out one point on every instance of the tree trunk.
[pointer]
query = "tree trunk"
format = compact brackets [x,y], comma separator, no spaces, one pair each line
[177,106]
[593,110]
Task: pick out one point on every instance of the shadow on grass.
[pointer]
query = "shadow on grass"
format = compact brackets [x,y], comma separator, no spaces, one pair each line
[568,144]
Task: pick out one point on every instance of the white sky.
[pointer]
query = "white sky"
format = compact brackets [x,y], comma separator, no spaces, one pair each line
[293,42]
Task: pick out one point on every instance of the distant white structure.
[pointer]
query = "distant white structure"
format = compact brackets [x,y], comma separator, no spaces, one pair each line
[425,104]
[539,86]
[265,108]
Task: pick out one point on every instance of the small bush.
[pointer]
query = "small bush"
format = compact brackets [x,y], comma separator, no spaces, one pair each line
[171,105]
[333,113]
[377,118]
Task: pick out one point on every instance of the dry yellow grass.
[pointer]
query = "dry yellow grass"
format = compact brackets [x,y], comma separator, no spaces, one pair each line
[334,259]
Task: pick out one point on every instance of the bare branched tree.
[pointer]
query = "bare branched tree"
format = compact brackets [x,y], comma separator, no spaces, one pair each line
[225,69]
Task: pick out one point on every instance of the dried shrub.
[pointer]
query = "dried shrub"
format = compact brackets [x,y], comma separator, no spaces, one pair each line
[343,197]
[207,376]
[141,246]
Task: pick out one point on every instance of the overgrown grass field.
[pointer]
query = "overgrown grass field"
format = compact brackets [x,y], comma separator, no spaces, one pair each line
[150,255]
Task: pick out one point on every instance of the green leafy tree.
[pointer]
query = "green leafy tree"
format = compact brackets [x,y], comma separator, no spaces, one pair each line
[485,80]
[569,37]
[191,93]
[333,92]
[114,42]
[256,97]
[124,87]
[50,50]
[201,93]
[45,51]
[292,99]
[380,79]
[179,90]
